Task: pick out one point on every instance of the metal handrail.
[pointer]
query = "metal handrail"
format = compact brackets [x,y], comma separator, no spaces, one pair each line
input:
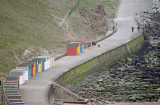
[79,97]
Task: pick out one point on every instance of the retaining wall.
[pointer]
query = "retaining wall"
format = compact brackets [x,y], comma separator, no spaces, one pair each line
[77,73]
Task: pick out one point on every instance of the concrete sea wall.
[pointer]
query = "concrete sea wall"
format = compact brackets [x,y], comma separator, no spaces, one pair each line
[77,73]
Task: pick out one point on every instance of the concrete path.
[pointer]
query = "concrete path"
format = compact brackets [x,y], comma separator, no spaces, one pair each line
[34,91]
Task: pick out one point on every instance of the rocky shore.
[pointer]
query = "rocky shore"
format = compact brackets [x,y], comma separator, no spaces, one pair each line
[150,20]
[134,79]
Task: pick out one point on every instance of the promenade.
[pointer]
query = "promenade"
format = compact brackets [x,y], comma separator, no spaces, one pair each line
[35,91]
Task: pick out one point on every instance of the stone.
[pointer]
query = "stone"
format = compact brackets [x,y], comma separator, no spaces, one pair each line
[129,59]
[107,102]
[100,89]
[150,19]
[101,80]
[100,103]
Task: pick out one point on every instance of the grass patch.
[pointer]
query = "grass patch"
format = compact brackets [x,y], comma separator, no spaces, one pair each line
[30,24]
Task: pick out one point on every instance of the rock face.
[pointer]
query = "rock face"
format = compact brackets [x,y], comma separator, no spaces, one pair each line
[151,20]
[96,18]
[31,53]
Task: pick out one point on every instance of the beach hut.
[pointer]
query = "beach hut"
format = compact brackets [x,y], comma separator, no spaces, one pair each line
[78,46]
[11,77]
[47,61]
[51,59]
[32,67]
[14,100]
[27,67]
[43,62]
[81,46]
[10,94]
[13,97]
[26,72]
[12,87]
[21,75]
[35,67]
[40,62]
[71,49]
[10,82]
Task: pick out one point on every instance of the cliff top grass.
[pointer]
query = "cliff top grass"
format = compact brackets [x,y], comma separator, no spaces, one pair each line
[32,26]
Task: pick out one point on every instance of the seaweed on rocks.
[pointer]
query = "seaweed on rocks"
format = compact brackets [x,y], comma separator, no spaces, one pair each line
[137,79]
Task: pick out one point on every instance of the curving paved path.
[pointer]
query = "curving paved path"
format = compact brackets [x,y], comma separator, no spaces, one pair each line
[34,91]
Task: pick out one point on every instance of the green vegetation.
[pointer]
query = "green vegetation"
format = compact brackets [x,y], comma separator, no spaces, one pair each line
[109,5]
[33,25]
[24,24]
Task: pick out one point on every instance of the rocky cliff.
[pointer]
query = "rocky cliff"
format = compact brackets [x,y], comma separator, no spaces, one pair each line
[96,19]
[151,20]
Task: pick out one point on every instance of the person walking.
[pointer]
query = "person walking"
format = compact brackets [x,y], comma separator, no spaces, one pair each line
[138,27]
[98,44]
[132,29]
[116,24]
[113,28]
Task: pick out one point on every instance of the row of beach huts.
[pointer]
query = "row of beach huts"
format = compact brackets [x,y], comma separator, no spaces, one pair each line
[75,48]
[21,74]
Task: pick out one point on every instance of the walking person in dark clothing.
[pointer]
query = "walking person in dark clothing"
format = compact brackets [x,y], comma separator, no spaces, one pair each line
[132,29]
[138,27]
[113,28]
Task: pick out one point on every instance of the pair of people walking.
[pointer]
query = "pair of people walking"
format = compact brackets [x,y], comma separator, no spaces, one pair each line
[133,28]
